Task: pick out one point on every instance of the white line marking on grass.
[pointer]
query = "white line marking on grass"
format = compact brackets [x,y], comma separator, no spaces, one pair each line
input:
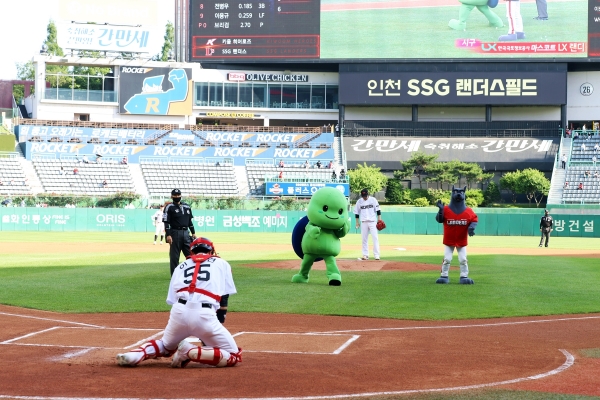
[49,319]
[568,363]
[408,328]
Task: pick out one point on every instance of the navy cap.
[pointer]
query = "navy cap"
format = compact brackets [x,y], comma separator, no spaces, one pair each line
[175,192]
[364,192]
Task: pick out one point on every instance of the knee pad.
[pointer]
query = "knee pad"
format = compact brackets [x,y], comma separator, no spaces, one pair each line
[215,356]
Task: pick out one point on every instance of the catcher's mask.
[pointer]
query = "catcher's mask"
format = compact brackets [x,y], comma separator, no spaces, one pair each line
[202,245]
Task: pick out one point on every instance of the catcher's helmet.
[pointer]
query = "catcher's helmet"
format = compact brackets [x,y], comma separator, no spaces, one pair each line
[202,245]
[175,192]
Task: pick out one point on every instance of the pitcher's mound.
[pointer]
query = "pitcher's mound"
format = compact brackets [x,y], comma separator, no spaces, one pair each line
[353,265]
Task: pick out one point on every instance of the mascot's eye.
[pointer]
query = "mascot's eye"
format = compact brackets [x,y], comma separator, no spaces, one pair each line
[341,211]
[325,208]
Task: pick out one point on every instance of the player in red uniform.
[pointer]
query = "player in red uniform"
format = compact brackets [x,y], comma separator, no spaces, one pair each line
[459,221]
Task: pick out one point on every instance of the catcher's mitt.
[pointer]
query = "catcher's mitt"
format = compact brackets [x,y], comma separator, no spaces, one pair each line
[380,225]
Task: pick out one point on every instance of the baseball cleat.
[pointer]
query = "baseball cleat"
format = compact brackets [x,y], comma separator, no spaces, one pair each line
[511,37]
[466,281]
[130,359]
[540,245]
[443,279]
[181,358]
[335,282]
[377,258]
[363,258]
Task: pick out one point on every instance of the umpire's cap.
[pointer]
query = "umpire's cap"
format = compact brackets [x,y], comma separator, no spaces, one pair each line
[175,192]
[364,192]
[546,211]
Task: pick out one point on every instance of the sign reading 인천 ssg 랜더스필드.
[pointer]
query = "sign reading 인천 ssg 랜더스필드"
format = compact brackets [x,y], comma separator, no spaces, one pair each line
[155,91]
[302,189]
[453,88]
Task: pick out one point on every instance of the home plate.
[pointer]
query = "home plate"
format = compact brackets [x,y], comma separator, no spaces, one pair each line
[400,248]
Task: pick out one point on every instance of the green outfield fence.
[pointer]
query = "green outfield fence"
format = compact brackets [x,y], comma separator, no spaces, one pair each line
[408,221]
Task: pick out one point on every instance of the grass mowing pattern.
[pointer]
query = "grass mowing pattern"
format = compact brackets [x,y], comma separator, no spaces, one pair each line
[131,281]
[423,32]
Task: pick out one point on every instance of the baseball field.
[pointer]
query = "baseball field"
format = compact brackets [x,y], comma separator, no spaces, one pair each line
[529,328]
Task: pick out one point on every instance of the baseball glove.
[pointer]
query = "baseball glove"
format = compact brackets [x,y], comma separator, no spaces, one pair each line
[380,225]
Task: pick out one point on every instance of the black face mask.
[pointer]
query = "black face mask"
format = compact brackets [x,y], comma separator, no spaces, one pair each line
[176,200]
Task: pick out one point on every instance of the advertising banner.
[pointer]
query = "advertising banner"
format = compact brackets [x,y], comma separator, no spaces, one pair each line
[134,152]
[302,189]
[389,152]
[130,12]
[155,91]
[409,222]
[67,132]
[130,39]
[453,88]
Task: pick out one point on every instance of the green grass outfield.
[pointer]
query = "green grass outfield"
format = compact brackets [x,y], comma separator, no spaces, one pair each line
[423,32]
[101,280]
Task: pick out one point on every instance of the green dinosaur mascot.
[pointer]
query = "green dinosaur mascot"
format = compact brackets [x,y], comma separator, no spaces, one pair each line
[327,222]
[467,6]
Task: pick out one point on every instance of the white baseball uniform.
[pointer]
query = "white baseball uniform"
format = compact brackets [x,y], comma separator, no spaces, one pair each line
[159,225]
[367,214]
[194,318]
[193,313]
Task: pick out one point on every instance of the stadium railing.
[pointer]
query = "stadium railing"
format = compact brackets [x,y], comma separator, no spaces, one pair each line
[417,132]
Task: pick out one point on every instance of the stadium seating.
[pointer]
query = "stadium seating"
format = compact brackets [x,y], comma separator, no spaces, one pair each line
[12,178]
[591,185]
[256,175]
[580,155]
[192,178]
[89,179]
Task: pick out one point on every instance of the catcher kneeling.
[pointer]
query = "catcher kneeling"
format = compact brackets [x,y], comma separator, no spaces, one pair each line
[459,221]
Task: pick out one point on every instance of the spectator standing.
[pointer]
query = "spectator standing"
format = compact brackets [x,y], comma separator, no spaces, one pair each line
[564,161]
[596,148]
[124,161]
[333,175]
[318,164]
[330,165]
[342,174]
[582,146]
[85,160]
[337,129]
[178,219]
[306,164]
[596,174]
[280,174]
[281,164]
[594,159]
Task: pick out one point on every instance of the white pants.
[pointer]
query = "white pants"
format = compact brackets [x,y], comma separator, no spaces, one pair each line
[513,15]
[159,229]
[365,228]
[462,259]
[193,320]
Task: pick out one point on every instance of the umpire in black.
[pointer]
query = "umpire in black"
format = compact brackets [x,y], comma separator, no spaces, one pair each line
[546,225]
[178,219]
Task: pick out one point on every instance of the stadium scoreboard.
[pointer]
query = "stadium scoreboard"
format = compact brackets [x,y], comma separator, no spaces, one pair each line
[328,30]
[242,29]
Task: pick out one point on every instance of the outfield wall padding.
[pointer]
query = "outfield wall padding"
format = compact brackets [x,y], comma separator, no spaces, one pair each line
[412,221]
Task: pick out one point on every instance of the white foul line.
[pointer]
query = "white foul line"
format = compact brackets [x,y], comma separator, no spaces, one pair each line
[49,319]
[568,363]
[408,328]
[348,342]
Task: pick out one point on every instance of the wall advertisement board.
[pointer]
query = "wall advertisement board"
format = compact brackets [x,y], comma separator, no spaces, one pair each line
[388,152]
[453,88]
[409,222]
[173,153]
[302,189]
[155,91]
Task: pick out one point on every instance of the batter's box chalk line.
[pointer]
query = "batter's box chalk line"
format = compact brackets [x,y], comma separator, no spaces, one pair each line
[568,363]
[335,352]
